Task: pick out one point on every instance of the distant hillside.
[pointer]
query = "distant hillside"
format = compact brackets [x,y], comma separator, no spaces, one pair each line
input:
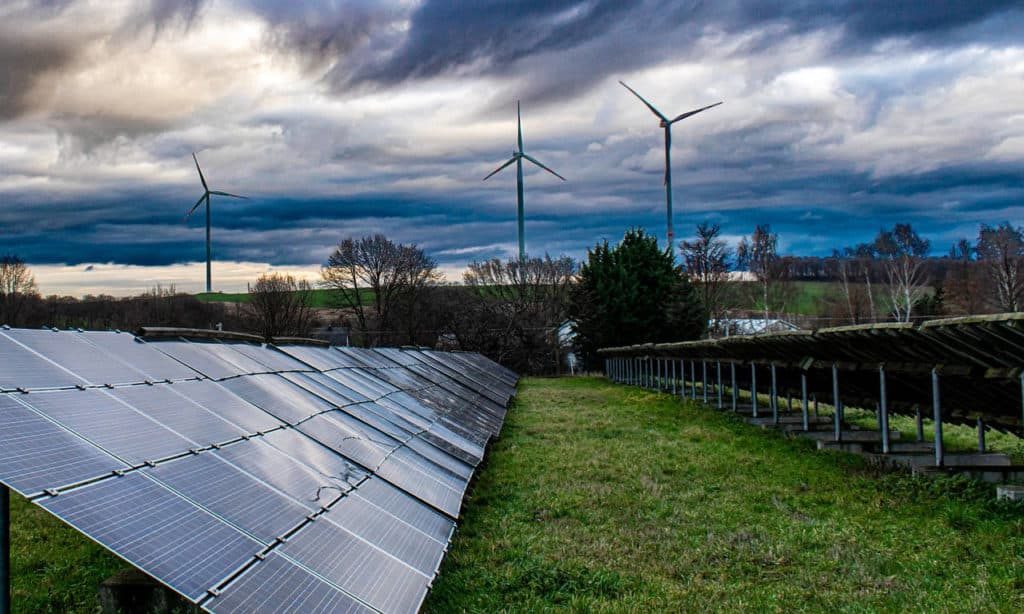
[322,299]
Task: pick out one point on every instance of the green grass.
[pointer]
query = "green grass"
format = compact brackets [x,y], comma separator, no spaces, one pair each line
[607,498]
[321,298]
[53,567]
[603,497]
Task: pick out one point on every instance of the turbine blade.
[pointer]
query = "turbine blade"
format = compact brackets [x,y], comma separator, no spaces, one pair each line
[201,178]
[649,105]
[228,194]
[500,168]
[694,112]
[519,124]
[195,206]
[531,159]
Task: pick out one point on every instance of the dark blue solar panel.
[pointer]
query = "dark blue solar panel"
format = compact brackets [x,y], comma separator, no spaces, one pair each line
[71,351]
[278,584]
[109,424]
[157,531]
[228,405]
[23,368]
[161,403]
[361,569]
[307,451]
[410,510]
[277,396]
[232,495]
[388,532]
[35,454]
[299,480]
[140,355]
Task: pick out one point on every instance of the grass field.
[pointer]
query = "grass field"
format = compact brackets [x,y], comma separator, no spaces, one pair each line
[602,497]
[599,497]
[322,299]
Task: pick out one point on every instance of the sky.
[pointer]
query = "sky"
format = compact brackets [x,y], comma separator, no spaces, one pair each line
[345,118]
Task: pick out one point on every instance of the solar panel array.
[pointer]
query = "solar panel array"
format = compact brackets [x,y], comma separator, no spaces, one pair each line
[247,476]
[979,359]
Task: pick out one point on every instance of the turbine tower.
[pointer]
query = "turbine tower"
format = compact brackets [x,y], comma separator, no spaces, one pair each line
[666,123]
[518,156]
[206,196]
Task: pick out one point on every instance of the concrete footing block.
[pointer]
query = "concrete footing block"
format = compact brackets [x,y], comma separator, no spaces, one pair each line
[1011,492]
[851,436]
[130,591]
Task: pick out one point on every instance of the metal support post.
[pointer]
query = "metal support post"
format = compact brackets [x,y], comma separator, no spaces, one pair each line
[753,389]
[981,435]
[937,417]
[682,378]
[718,369]
[704,379]
[920,423]
[693,380]
[774,397]
[883,409]
[803,399]
[735,399]
[673,378]
[5,550]
[836,403]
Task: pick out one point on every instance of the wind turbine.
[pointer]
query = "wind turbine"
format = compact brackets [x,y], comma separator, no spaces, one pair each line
[206,196]
[666,123]
[517,157]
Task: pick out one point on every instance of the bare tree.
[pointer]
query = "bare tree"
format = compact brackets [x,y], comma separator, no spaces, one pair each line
[392,274]
[903,252]
[17,288]
[523,302]
[760,256]
[280,306]
[1001,248]
[963,279]
[706,261]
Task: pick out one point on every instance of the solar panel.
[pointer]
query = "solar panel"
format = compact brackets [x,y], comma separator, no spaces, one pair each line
[162,534]
[358,567]
[388,533]
[290,588]
[277,396]
[38,454]
[224,403]
[78,356]
[161,403]
[140,355]
[109,424]
[25,369]
[232,495]
[245,476]
[301,481]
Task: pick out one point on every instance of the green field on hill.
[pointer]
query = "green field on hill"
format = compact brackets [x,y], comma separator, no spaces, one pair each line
[322,299]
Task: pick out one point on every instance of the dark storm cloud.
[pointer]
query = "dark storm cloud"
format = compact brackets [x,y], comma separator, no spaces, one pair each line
[601,38]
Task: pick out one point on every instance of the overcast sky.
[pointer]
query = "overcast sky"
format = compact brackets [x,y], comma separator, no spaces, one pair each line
[344,118]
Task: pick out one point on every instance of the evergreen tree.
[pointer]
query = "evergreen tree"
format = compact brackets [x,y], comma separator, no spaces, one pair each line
[633,293]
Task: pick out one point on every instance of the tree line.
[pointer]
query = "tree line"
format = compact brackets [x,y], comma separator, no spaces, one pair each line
[634,291]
